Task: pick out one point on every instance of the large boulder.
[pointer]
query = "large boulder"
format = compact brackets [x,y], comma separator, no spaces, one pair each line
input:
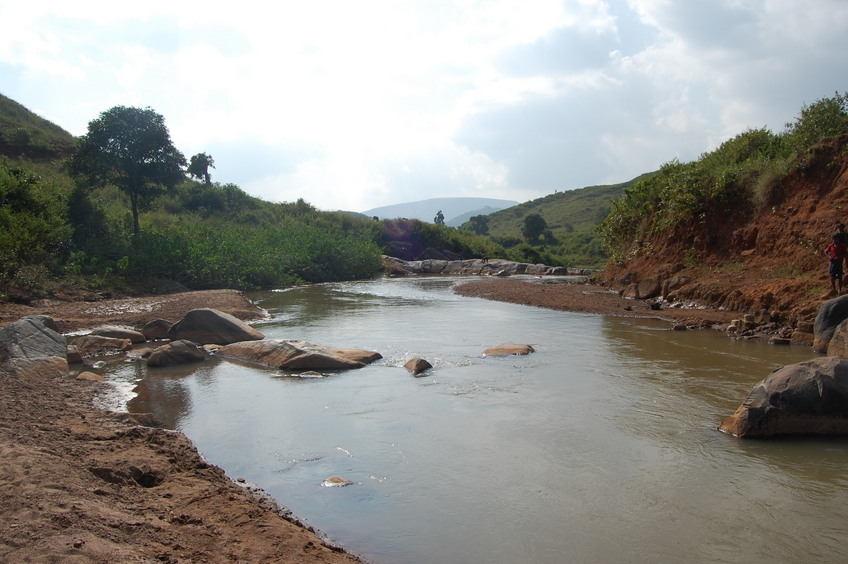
[809,398]
[30,347]
[838,345]
[831,314]
[209,326]
[176,353]
[297,355]
[642,290]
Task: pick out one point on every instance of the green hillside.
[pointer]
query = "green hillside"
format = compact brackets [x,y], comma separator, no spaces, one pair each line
[26,135]
[570,219]
[565,212]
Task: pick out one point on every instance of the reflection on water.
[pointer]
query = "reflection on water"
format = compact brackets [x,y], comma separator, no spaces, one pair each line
[601,446]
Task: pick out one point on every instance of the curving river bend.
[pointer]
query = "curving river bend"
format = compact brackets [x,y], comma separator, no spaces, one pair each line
[601,446]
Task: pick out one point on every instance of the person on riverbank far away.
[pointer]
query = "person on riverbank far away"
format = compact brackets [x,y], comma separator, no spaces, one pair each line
[843,238]
[836,251]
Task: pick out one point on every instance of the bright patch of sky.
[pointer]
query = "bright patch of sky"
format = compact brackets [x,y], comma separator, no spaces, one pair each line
[355,105]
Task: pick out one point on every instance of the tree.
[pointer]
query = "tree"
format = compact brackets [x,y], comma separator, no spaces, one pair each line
[439,219]
[534,226]
[132,149]
[199,167]
[479,224]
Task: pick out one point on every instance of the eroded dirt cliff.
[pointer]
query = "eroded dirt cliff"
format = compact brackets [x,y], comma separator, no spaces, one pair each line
[764,257]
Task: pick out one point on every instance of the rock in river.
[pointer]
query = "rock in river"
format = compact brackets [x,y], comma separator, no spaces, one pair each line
[809,398]
[298,355]
[176,353]
[417,365]
[508,349]
[210,326]
[831,313]
[119,333]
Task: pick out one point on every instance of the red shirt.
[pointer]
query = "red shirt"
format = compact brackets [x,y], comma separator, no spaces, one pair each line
[836,250]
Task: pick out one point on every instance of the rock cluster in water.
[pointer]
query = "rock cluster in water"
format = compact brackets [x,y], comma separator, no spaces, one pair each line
[33,346]
[476,267]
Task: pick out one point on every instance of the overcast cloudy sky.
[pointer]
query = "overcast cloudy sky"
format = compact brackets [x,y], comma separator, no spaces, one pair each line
[358,104]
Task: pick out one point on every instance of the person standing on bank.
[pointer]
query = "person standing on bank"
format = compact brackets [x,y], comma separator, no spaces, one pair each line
[843,238]
[836,251]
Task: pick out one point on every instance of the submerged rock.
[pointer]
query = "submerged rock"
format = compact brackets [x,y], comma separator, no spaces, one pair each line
[809,398]
[176,353]
[508,349]
[120,333]
[336,482]
[298,355]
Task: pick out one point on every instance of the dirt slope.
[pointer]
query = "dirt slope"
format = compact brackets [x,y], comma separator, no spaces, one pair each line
[749,260]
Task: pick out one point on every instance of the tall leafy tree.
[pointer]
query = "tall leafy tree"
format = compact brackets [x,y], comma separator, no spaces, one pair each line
[439,219]
[534,226]
[199,166]
[479,224]
[132,149]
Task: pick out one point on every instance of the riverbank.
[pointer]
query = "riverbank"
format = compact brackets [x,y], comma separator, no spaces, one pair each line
[81,484]
[554,293]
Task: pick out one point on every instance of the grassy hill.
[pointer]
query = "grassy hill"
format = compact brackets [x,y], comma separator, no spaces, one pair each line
[571,217]
[26,135]
[565,212]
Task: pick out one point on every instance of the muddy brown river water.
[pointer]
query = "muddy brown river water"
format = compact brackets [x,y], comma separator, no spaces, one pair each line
[601,446]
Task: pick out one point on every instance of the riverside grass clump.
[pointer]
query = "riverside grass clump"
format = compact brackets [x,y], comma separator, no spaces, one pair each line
[742,174]
[246,246]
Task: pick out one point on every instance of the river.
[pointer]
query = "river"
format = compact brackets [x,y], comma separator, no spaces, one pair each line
[601,446]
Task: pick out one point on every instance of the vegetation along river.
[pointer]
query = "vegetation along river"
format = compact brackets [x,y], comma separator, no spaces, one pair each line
[600,446]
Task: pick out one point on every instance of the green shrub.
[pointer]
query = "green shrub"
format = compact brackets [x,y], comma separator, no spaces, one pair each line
[747,169]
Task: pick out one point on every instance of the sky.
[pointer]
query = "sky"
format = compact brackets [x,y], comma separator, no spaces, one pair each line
[355,105]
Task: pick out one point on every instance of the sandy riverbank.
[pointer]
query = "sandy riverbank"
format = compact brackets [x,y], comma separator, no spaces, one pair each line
[79,484]
[553,293]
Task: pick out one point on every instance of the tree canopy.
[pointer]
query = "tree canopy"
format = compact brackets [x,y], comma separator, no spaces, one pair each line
[132,149]
[479,224]
[199,166]
[534,226]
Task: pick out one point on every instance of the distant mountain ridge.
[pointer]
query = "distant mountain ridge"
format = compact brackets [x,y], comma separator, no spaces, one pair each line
[455,210]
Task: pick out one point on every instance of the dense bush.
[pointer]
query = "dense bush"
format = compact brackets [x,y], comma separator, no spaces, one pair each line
[410,238]
[202,236]
[743,170]
[34,235]
[215,252]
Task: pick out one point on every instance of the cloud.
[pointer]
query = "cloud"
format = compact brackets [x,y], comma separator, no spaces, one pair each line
[360,104]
